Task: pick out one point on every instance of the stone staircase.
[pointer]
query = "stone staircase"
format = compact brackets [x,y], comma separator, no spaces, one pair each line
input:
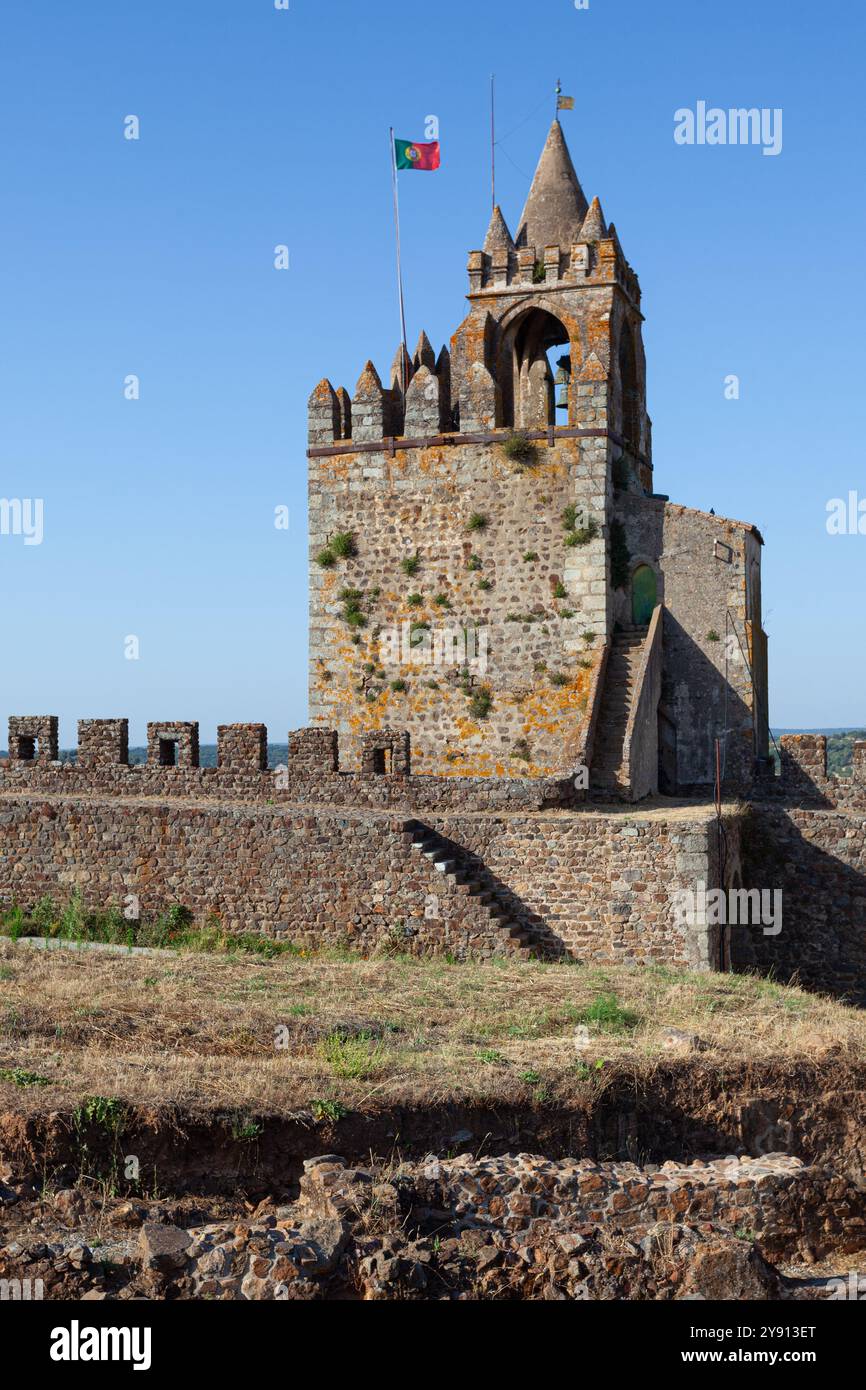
[493,917]
[609,774]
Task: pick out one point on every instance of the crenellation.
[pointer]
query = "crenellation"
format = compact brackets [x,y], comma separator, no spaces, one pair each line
[243,747]
[173,744]
[103,742]
[33,738]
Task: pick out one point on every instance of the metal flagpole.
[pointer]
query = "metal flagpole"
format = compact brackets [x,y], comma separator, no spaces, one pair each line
[399,264]
[493,138]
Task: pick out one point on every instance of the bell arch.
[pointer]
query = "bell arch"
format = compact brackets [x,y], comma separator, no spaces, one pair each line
[523,370]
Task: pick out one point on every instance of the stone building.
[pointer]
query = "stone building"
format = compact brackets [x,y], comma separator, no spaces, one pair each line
[491,568]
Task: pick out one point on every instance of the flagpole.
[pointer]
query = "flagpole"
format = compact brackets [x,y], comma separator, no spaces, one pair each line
[399,263]
[493,139]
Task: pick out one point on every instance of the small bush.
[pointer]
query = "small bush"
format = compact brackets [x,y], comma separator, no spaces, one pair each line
[477,522]
[481,702]
[560,591]
[343,545]
[713,636]
[442,601]
[415,601]
[326,558]
[398,686]
[530,556]
[410,564]
[473,563]
[606,1015]
[519,448]
[485,584]
[558,679]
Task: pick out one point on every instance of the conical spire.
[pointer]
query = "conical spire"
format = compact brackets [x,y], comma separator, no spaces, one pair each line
[593,228]
[498,236]
[556,206]
[424,354]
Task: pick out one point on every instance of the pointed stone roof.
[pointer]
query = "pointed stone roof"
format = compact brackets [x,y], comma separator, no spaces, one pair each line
[556,206]
[424,354]
[369,384]
[593,228]
[498,236]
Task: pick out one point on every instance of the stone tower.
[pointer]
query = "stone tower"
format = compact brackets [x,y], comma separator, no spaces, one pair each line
[487,553]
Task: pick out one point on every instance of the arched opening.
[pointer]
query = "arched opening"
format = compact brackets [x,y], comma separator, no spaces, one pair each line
[644,595]
[629,389]
[525,374]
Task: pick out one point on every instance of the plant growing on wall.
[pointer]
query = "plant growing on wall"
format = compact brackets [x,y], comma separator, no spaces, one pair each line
[481,702]
[620,556]
[519,448]
[353,614]
[477,522]
[473,563]
[343,545]
[410,564]
[326,558]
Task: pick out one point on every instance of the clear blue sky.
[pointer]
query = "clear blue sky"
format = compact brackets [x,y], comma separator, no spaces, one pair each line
[261,127]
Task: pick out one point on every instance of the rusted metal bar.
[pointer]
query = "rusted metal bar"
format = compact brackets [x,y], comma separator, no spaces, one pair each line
[389,445]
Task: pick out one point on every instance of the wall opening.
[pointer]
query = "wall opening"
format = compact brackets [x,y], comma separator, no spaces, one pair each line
[629,390]
[168,752]
[27,749]
[525,374]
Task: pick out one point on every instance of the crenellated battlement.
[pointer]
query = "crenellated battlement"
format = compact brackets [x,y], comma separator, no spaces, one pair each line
[417,401]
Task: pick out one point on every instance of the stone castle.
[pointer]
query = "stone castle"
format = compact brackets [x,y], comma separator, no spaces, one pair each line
[528,671]
[621,632]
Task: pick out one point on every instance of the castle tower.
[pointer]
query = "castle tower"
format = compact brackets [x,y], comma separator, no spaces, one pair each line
[488,558]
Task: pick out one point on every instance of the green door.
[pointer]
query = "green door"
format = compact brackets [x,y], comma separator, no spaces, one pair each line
[644,592]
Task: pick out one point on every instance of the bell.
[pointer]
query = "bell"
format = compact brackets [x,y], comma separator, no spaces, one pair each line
[562,398]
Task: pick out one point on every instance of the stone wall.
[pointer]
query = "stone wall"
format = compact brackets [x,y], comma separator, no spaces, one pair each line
[707,567]
[817,858]
[480,650]
[595,886]
[601,884]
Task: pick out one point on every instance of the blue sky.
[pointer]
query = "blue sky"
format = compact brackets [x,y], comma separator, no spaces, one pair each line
[261,127]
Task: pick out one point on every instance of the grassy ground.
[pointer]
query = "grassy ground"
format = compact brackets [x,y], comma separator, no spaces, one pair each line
[209,1032]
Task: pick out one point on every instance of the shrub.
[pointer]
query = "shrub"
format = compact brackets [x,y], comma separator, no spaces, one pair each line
[560,591]
[559,679]
[442,601]
[410,564]
[519,448]
[481,702]
[399,685]
[415,600]
[485,584]
[530,556]
[477,522]
[343,545]
[326,558]
[713,636]
[473,563]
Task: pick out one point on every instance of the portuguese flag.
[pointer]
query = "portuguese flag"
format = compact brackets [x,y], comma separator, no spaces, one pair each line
[408,155]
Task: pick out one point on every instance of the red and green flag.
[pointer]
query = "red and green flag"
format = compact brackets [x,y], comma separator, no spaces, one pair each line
[410,155]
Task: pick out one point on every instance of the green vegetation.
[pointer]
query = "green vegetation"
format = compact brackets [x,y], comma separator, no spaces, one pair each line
[343,545]
[474,562]
[410,564]
[171,930]
[606,1015]
[481,702]
[477,522]
[519,448]
[326,558]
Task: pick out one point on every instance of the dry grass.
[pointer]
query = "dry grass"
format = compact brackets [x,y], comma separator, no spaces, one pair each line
[201,1032]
